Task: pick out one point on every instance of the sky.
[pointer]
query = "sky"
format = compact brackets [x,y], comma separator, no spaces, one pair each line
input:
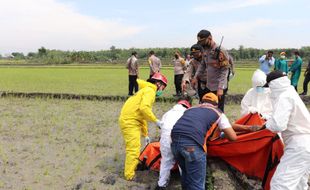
[91,25]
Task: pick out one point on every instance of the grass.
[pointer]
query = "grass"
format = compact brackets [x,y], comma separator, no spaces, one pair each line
[95,80]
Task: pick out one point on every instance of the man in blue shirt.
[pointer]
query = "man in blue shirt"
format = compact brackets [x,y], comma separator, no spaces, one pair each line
[266,62]
[189,140]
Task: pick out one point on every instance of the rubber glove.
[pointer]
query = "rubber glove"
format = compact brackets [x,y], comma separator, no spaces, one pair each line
[254,128]
[231,76]
[147,140]
[265,116]
[159,123]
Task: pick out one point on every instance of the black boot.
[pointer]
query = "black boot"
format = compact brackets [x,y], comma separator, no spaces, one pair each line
[160,188]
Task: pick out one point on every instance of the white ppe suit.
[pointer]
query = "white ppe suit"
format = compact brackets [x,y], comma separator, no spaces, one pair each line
[257,102]
[290,117]
[167,159]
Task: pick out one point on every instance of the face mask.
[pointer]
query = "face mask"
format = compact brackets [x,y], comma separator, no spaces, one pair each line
[259,89]
[208,44]
[159,93]
[282,56]
[197,58]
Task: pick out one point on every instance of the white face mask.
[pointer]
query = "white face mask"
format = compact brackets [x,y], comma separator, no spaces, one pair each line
[282,56]
[259,89]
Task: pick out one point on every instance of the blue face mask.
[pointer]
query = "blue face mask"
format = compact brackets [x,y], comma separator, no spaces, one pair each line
[159,93]
[259,89]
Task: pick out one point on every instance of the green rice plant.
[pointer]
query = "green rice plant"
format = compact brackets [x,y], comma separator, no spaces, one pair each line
[96,80]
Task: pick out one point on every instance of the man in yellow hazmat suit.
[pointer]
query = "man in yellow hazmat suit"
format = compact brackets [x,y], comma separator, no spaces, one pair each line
[135,114]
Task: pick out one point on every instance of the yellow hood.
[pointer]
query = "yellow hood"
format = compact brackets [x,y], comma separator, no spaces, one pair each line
[143,84]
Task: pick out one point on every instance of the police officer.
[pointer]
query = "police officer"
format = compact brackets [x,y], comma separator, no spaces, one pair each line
[215,65]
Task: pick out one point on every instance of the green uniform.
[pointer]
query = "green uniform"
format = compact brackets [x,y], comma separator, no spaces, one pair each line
[296,70]
[281,64]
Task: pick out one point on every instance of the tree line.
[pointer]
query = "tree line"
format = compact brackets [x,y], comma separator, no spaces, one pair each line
[116,55]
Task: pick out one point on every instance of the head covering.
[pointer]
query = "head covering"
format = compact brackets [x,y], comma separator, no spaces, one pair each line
[282,53]
[185,103]
[258,78]
[274,75]
[160,77]
[210,97]
[195,48]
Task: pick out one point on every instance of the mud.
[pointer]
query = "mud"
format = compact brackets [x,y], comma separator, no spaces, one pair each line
[77,144]
[230,99]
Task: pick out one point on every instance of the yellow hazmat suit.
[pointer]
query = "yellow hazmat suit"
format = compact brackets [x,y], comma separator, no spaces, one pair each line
[135,113]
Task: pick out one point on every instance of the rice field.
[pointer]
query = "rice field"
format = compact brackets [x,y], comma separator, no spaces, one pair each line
[75,144]
[95,80]
[62,144]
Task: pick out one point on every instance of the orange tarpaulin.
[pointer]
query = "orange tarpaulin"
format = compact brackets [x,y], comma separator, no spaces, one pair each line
[254,154]
[150,157]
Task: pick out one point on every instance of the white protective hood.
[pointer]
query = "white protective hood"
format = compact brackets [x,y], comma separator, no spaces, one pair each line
[253,101]
[258,78]
[279,85]
[290,115]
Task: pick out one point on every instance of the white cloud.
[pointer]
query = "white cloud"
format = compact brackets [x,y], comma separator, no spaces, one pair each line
[222,6]
[261,33]
[29,24]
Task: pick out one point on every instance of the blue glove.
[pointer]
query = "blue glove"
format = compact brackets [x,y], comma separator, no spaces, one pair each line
[222,135]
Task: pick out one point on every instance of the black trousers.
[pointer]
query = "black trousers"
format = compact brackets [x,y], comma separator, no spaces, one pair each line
[133,85]
[202,89]
[221,101]
[306,81]
[178,83]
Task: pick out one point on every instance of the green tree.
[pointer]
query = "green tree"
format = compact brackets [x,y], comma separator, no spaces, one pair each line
[114,53]
[18,55]
[31,54]
[42,51]
[241,51]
